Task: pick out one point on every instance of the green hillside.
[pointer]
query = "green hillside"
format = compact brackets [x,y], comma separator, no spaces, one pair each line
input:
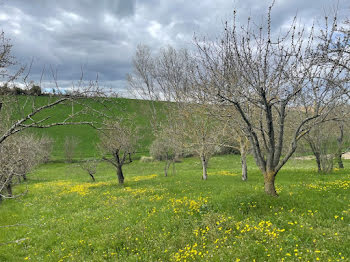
[136,110]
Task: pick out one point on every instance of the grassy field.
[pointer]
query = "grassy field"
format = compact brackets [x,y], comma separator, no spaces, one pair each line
[65,217]
[137,110]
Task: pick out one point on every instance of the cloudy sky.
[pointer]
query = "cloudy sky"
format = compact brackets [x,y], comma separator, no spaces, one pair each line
[101,36]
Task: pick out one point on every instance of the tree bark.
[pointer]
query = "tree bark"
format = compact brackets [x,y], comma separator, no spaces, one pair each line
[204,165]
[340,141]
[118,165]
[120,174]
[339,160]
[92,177]
[269,183]
[244,168]
[244,163]
[318,161]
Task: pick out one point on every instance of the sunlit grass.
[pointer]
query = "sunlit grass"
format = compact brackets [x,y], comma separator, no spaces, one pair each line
[66,217]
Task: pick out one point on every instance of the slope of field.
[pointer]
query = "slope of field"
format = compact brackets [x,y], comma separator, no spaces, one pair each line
[65,217]
[137,110]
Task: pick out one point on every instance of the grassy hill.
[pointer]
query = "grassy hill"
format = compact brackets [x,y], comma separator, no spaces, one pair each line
[137,110]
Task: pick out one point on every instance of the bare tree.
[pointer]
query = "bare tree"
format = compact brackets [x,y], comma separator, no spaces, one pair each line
[235,136]
[172,75]
[118,141]
[166,147]
[319,141]
[46,144]
[252,65]
[18,156]
[198,131]
[19,113]
[90,166]
[70,145]
[341,139]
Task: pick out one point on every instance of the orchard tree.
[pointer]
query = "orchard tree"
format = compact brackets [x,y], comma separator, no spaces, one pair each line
[90,166]
[19,113]
[118,140]
[172,75]
[252,65]
[19,155]
[70,145]
[235,136]
[199,132]
[166,148]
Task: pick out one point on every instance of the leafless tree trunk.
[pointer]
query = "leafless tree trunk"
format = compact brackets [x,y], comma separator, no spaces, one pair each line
[243,151]
[204,166]
[120,174]
[340,142]
[314,142]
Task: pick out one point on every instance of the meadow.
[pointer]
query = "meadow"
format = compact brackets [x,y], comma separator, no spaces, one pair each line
[66,217]
[137,110]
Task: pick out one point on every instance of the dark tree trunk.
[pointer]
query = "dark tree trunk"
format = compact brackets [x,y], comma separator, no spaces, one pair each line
[120,174]
[118,165]
[9,190]
[92,177]
[339,160]
[340,141]
[269,183]
[204,165]
[318,161]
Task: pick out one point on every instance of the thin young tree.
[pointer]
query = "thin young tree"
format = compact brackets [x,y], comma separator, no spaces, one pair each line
[90,166]
[198,132]
[70,145]
[166,148]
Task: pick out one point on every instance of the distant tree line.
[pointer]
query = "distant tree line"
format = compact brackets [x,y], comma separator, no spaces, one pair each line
[34,90]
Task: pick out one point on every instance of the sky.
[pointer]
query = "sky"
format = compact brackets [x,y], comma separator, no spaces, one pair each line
[100,37]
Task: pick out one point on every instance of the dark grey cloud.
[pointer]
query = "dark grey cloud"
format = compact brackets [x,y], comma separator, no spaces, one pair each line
[101,36]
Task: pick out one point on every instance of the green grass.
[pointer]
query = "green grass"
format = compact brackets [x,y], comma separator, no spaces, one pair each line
[137,110]
[65,217]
